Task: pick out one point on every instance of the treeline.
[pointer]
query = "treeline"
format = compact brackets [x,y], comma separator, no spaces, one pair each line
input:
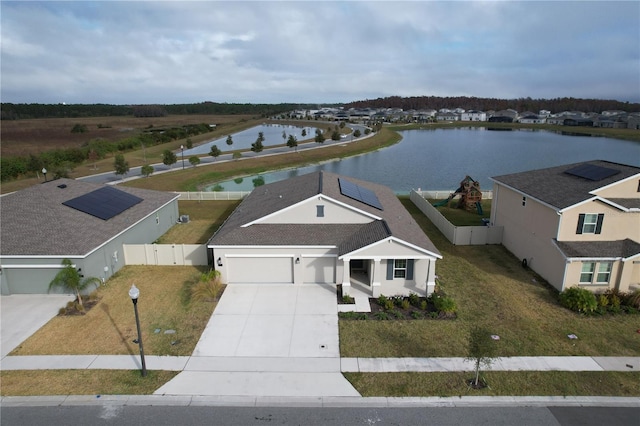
[9,111]
[60,162]
[486,104]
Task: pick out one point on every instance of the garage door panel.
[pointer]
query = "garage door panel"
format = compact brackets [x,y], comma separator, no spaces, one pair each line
[260,270]
[320,270]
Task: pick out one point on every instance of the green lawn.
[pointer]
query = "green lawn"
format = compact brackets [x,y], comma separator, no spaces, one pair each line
[462,217]
[491,288]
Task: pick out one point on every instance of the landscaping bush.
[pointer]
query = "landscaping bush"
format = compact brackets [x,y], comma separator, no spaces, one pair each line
[444,304]
[579,300]
[414,299]
[208,288]
[347,299]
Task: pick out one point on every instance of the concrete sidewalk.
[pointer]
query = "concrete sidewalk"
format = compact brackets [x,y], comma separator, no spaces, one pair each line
[319,365]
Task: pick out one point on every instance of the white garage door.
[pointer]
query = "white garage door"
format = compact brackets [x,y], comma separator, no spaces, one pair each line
[320,270]
[260,270]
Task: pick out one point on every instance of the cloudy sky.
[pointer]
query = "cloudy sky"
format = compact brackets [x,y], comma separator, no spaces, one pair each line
[316,51]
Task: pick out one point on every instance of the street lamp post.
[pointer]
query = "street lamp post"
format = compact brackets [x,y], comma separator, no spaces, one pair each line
[133,294]
[44,172]
[182,149]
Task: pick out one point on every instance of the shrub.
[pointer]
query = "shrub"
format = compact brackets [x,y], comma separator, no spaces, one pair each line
[382,299]
[347,299]
[405,304]
[396,313]
[208,288]
[579,300]
[423,305]
[444,304]
[389,305]
[416,315]
[633,299]
[382,316]
[414,299]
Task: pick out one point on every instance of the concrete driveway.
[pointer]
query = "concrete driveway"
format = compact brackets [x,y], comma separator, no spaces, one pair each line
[268,340]
[273,321]
[23,314]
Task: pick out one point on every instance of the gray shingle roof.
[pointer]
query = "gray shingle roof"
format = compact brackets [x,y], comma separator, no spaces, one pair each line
[599,249]
[630,203]
[559,189]
[270,198]
[34,222]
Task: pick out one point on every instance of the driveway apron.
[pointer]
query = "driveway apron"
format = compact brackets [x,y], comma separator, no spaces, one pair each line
[268,340]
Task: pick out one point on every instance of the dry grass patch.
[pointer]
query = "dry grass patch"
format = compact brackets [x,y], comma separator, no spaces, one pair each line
[501,383]
[205,217]
[109,328]
[491,289]
[82,382]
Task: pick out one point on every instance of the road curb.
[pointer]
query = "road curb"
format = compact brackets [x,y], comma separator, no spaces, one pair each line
[319,402]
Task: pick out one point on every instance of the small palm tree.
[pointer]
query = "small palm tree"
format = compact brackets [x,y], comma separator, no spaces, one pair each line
[70,279]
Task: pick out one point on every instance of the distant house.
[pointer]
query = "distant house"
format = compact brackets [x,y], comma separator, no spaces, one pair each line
[532,119]
[84,222]
[447,116]
[473,116]
[575,225]
[325,228]
[500,119]
[576,121]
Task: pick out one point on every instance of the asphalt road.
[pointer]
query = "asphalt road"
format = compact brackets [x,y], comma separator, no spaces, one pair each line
[123,415]
[111,177]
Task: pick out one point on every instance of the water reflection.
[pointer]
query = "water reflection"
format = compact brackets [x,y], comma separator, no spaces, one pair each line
[438,159]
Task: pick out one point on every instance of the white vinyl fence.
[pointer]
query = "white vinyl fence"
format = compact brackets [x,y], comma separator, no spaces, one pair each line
[458,235]
[165,254]
[213,195]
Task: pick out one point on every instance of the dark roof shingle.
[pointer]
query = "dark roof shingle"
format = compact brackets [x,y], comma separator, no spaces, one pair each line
[34,222]
[555,187]
[276,196]
[599,249]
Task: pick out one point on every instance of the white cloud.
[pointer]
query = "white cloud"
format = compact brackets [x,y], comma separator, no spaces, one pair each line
[171,52]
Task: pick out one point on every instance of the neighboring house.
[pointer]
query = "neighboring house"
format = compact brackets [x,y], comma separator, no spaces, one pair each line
[575,225]
[532,119]
[325,228]
[84,222]
[447,116]
[473,116]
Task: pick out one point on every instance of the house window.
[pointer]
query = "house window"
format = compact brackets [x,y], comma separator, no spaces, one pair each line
[604,272]
[586,276]
[600,271]
[319,211]
[400,268]
[590,223]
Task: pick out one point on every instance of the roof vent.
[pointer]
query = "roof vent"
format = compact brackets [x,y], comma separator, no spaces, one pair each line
[62,186]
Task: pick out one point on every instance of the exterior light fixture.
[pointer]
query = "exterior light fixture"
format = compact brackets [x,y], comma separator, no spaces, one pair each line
[219,261]
[44,172]
[133,294]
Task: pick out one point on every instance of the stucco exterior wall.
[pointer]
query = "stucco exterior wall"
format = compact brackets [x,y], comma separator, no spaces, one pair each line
[616,224]
[306,212]
[529,231]
[627,188]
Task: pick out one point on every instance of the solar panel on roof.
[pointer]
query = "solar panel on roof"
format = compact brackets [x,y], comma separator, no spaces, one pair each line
[592,172]
[358,193]
[104,203]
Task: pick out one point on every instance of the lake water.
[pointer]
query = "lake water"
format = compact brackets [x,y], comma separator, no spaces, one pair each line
[439,159]
[244,139]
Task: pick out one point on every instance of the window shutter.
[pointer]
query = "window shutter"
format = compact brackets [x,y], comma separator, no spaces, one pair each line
[580,224]
[389,269]
[409,269]
[599,223]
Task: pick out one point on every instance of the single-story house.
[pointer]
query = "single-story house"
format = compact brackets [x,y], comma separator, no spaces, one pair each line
[84,222]
[575,225]
[325,228]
